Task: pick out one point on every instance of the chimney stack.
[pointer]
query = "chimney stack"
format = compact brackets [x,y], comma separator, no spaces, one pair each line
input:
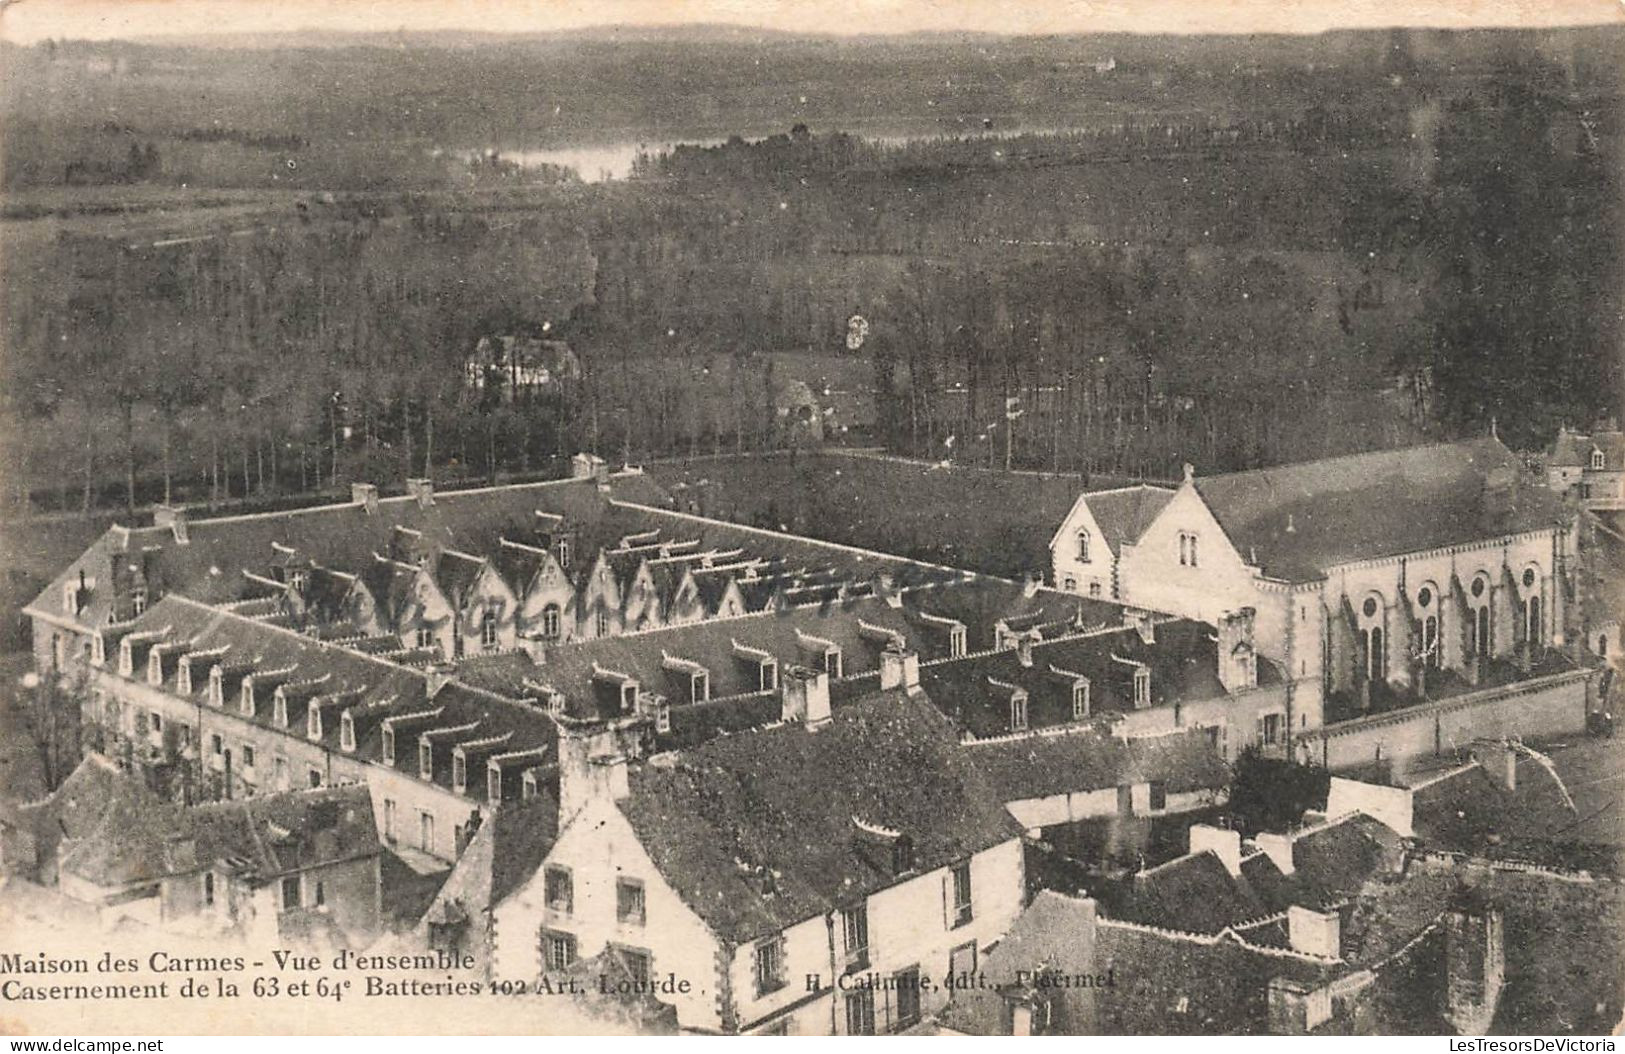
[1237,668]
[1030,585]
[1143,623]
[437,677]
[1314,932]
[899,668]
[422,490]
[592,765]
[1278,847]
[1224,843]
[173,517]
[365,495]
[1024,649]
[804,696]
[1499,761]
[1475,966]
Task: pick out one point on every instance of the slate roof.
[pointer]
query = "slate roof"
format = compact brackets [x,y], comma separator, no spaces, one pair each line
[97,802]
[1334,861]
[1038,764]
[1194,893]
[1573,449]
[1123,515]
[276,834]
[784,798]
[1182,663]
[371,687]
[1378,504]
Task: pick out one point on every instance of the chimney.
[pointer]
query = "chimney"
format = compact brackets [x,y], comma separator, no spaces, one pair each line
[1189,472]
[592,765]
[804,696]
[899,668]
[1499,761]
[1278,847]
[437,677]
[173,517]
[1142,622]
[1314,932]
[1226,844]
[1024,649]
[1029,585]
[365,495]
[1238,670]
[1475,966]
[422,490]
[1291,524]
[589,466]
[1297,1008]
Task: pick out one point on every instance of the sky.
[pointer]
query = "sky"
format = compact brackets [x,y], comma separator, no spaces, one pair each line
[25,21]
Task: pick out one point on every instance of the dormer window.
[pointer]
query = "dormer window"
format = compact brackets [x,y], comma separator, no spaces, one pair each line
[1142,688]
[562,550]
[1018,712]
[488,630]
[346,731]
[126,658]
[555,703]
[1083,547]
[663,716]
[493,784]
[298,579]
[527,785]
[425,759]
[424,637]
[138,600]
[832,663]
[629,697]
[98,650]
[279,709]
[313,722]
[388,746]
[1080,700]
[902,855]
[550,622]
[459,773]
[1599,460]
[155,666]
[183,678]
[699,685]
[769,675]
[70,598]
[956,642]
[245,698]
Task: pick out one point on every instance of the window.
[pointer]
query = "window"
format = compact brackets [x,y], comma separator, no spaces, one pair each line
[138,599]
[637,964]
[527,785]
[860,1012]
[1083,547]
[493,785]
[1080,701]
[550,622]
[1070,584]
[907,987]
[208,889]
[663,716]
[962,895]
[389,819]
[1018,713]
[902,855]
[488,631]
[279,771]
[217,746]
[1599,460]
[248,757]
[1187,549]
[346,731]
[558,950]
[699,685]
[1142,687]
[425,759]
[629,901]
[1532,623]
[424,637]
[157,723]
[1430,642]
[321,894]
[558,889]
[1094,590]
[601,624]
[389,745]
[290,893]
[426,831]
[1159,795]
[313,778]
[459,773]
[563,547]
[855,927]
[769,966]
[1271,728]
[298,579]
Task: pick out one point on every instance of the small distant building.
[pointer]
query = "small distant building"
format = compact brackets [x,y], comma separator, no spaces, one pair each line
[1590,468]
[521,366]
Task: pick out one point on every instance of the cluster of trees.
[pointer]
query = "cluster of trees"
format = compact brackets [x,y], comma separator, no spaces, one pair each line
[1105,316]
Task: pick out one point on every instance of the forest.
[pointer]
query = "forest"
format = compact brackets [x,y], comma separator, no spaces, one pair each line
[1287,279]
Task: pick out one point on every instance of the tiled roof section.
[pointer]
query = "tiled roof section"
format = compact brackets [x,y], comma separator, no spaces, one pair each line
[1123,515]
[455,574]
[95,801]
[274,834]
[1192,894]
[784,799]
[1039,765]
[1182,663]
[375,687]
[1573,449]
[991,601]
[1055,933]
[523,834]
[1333,862]
[1469,812]
[1298,520]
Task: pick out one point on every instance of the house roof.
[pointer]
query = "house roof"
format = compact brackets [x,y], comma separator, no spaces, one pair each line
[1574,449]
[96,802]
[785,802]
[1194,893]
[1123,514]
[1041,764]
[1296,521]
